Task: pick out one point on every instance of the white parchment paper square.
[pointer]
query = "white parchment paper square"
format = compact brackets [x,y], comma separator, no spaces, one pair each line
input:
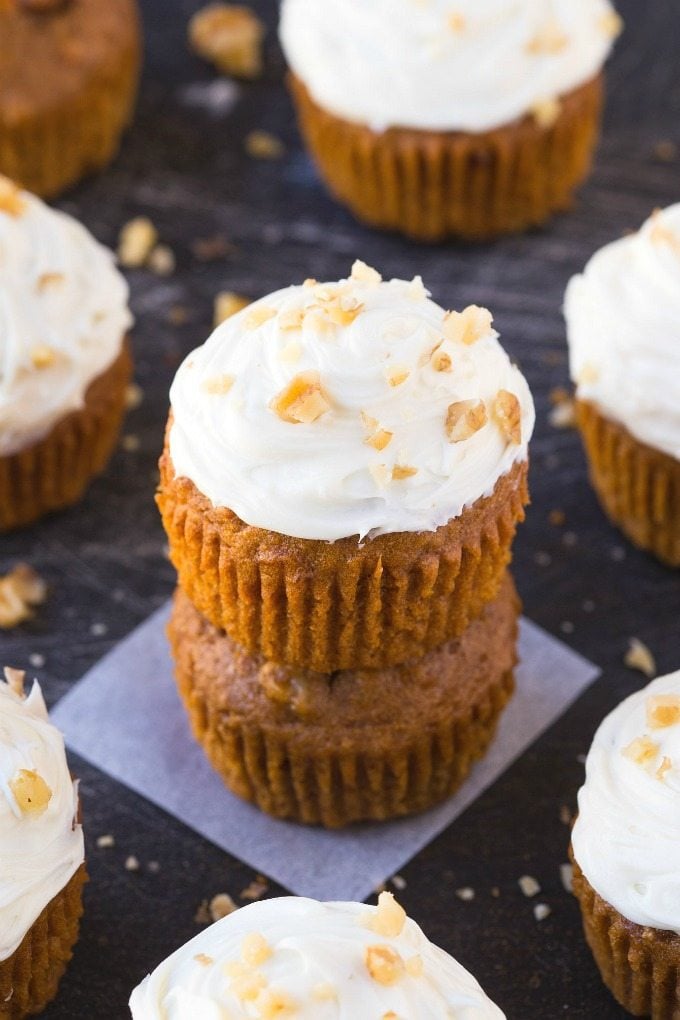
[126,718]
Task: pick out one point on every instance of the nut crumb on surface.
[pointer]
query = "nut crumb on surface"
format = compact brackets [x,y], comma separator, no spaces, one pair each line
[529,886]
[161,260]
[384,964]
[21,590]
[264,145]
[11,200]
[302,401]
[230,37]
[132,863]
[663,710]
[541,911]
[466,894]
[639,657]
[255,890]
[227,303]
[134,396]
[389,918]
[567,877]
[220,906]
[137,239]
[106,841]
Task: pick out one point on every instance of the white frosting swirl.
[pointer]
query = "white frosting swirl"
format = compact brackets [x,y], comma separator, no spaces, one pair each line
[63,317]
[623,326]
[626,839]
[39,852]
[468,65]
[315,958]
[323,479]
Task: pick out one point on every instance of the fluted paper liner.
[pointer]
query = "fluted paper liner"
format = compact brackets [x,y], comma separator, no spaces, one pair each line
[430,184]
[638,487]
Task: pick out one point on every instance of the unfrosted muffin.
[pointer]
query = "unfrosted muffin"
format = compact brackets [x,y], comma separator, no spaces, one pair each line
[295,957]
[474,118]
[626,850]
[68,78]
[344,471]
[623,327]
[353,745]
[42,868]
[64,360]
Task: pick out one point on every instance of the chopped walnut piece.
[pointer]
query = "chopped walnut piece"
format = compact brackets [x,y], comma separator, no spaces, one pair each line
[541,911]
[20,590]
[11,200]
[264,145]
[258,316]
[361,273]
[397,374]
[255,949]
[136,241]
[230,37]
[611,24]
[663,710]
[161,260]
[46,280]
[464,418]
[389,918]
[384,964]
[220,906]
[31,792]
[546,111]
[528,885]
[43,356]
[640,657]
[302,401]
[641,751]
[549,39]
[134,396]
[292,318]
[508,413]
[204,959]
[441,361]
[273,1004]
[15,680]
[468,326]
[379,439]
[665,766]
[227,304]
[401,471]
[218,385]
[255,890]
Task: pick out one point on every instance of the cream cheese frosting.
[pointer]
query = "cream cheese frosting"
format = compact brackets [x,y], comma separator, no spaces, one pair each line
[468,65]
[353,408]
[626,839]
[295,957]
[63,316]
[623,327]
[41,844]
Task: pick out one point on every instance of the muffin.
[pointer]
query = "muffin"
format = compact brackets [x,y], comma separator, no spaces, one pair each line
[42,868]
[336,748]
[316,961]
[435,119]
[64,357]
[344,470]
[88,54]
[623,327]
[626,850]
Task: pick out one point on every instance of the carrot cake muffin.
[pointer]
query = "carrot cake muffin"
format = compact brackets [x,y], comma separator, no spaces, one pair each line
[626,850]
[42,868]
[68,78]
[64,361]
[435,118]
[623,327]
[344,470]
[316,961]
[336,748]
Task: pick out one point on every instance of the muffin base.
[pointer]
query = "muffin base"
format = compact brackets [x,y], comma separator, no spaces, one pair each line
[430,185]
[638,487]
[639,965]
[339,605]
[54,472]
[334,749]
[29,978]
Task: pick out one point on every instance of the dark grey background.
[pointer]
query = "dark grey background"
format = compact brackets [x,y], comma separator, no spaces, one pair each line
[186,168]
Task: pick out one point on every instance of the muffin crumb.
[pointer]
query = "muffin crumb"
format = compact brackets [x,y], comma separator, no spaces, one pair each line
[255,890]
[137,239]
[132,863]
[466,894]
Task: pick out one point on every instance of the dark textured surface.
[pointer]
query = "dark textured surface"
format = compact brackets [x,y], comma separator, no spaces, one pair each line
[185,167]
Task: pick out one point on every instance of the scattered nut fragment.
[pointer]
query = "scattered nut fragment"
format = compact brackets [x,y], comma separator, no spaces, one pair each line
[46,280]
[204,959]
[663,710]
[43,356]
[136,241]
[264,145]
[218,385]
[508,413]
[528,885]
[20,591]
[665,766]
[562,414]
[134,395]
[399,882]
[302,401]
[401,471]
[227,304]
[611,24]
[468,326]
[389,917]
[220,906]
[381,474]
[384,964]
[132,863]
[361,273]
[396,375]
[255,949]
[541,911]
[466,894]
[415,966]
[202,915]
[642,751]
[464,418]
[161,260]
[665,151]
[567,877]
[11,200]
[291,319]
[230,37]
[639,657]
[255,890]
[546,111]
[105,842]
[258,316]
[441,361]
[274,1004]
[31,792]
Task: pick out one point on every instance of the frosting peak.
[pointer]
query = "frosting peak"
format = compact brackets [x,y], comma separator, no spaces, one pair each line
[294,957]
[353,408]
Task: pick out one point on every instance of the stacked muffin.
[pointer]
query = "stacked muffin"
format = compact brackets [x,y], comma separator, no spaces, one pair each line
[345,467]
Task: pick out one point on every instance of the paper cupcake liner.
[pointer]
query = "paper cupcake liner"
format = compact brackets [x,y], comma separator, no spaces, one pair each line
[356,745]
[48,149]
[431,184]
[638,487]
[54,472]
[29,978]
[639,965]
[344,604]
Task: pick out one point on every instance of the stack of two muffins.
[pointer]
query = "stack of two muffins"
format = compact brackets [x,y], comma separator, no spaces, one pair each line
[344,470]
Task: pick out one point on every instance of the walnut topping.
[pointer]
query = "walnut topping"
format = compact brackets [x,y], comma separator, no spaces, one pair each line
[464,418]
[361,273]
[46,280]
[255,949]
[204,959]
[273,1004]
[640,657]
[218,385]
[302,401]
[389,918]
[292,318]
[508,414]
[31,792]
[161,260]
[546,111]
[20,590]
[227,304]
[468,326]
[220,906]
[11,200]
[441,361]
[643,751]
[401,471]
[397,374]
[43,356]
[663,710]
[611,24]
[230,37]
[255,890]
[344,310]
[384,964]
[15,680]
[549,39]
[258,316]
[456,21]
[136,241]
[380,439]
[665,766]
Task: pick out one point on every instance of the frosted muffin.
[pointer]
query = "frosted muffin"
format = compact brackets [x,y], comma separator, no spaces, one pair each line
[64,360]
[473,118]
[315,961]
[626,850]
[623,327]
[89,53]
[353,745]
[344,470]
[41,853]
